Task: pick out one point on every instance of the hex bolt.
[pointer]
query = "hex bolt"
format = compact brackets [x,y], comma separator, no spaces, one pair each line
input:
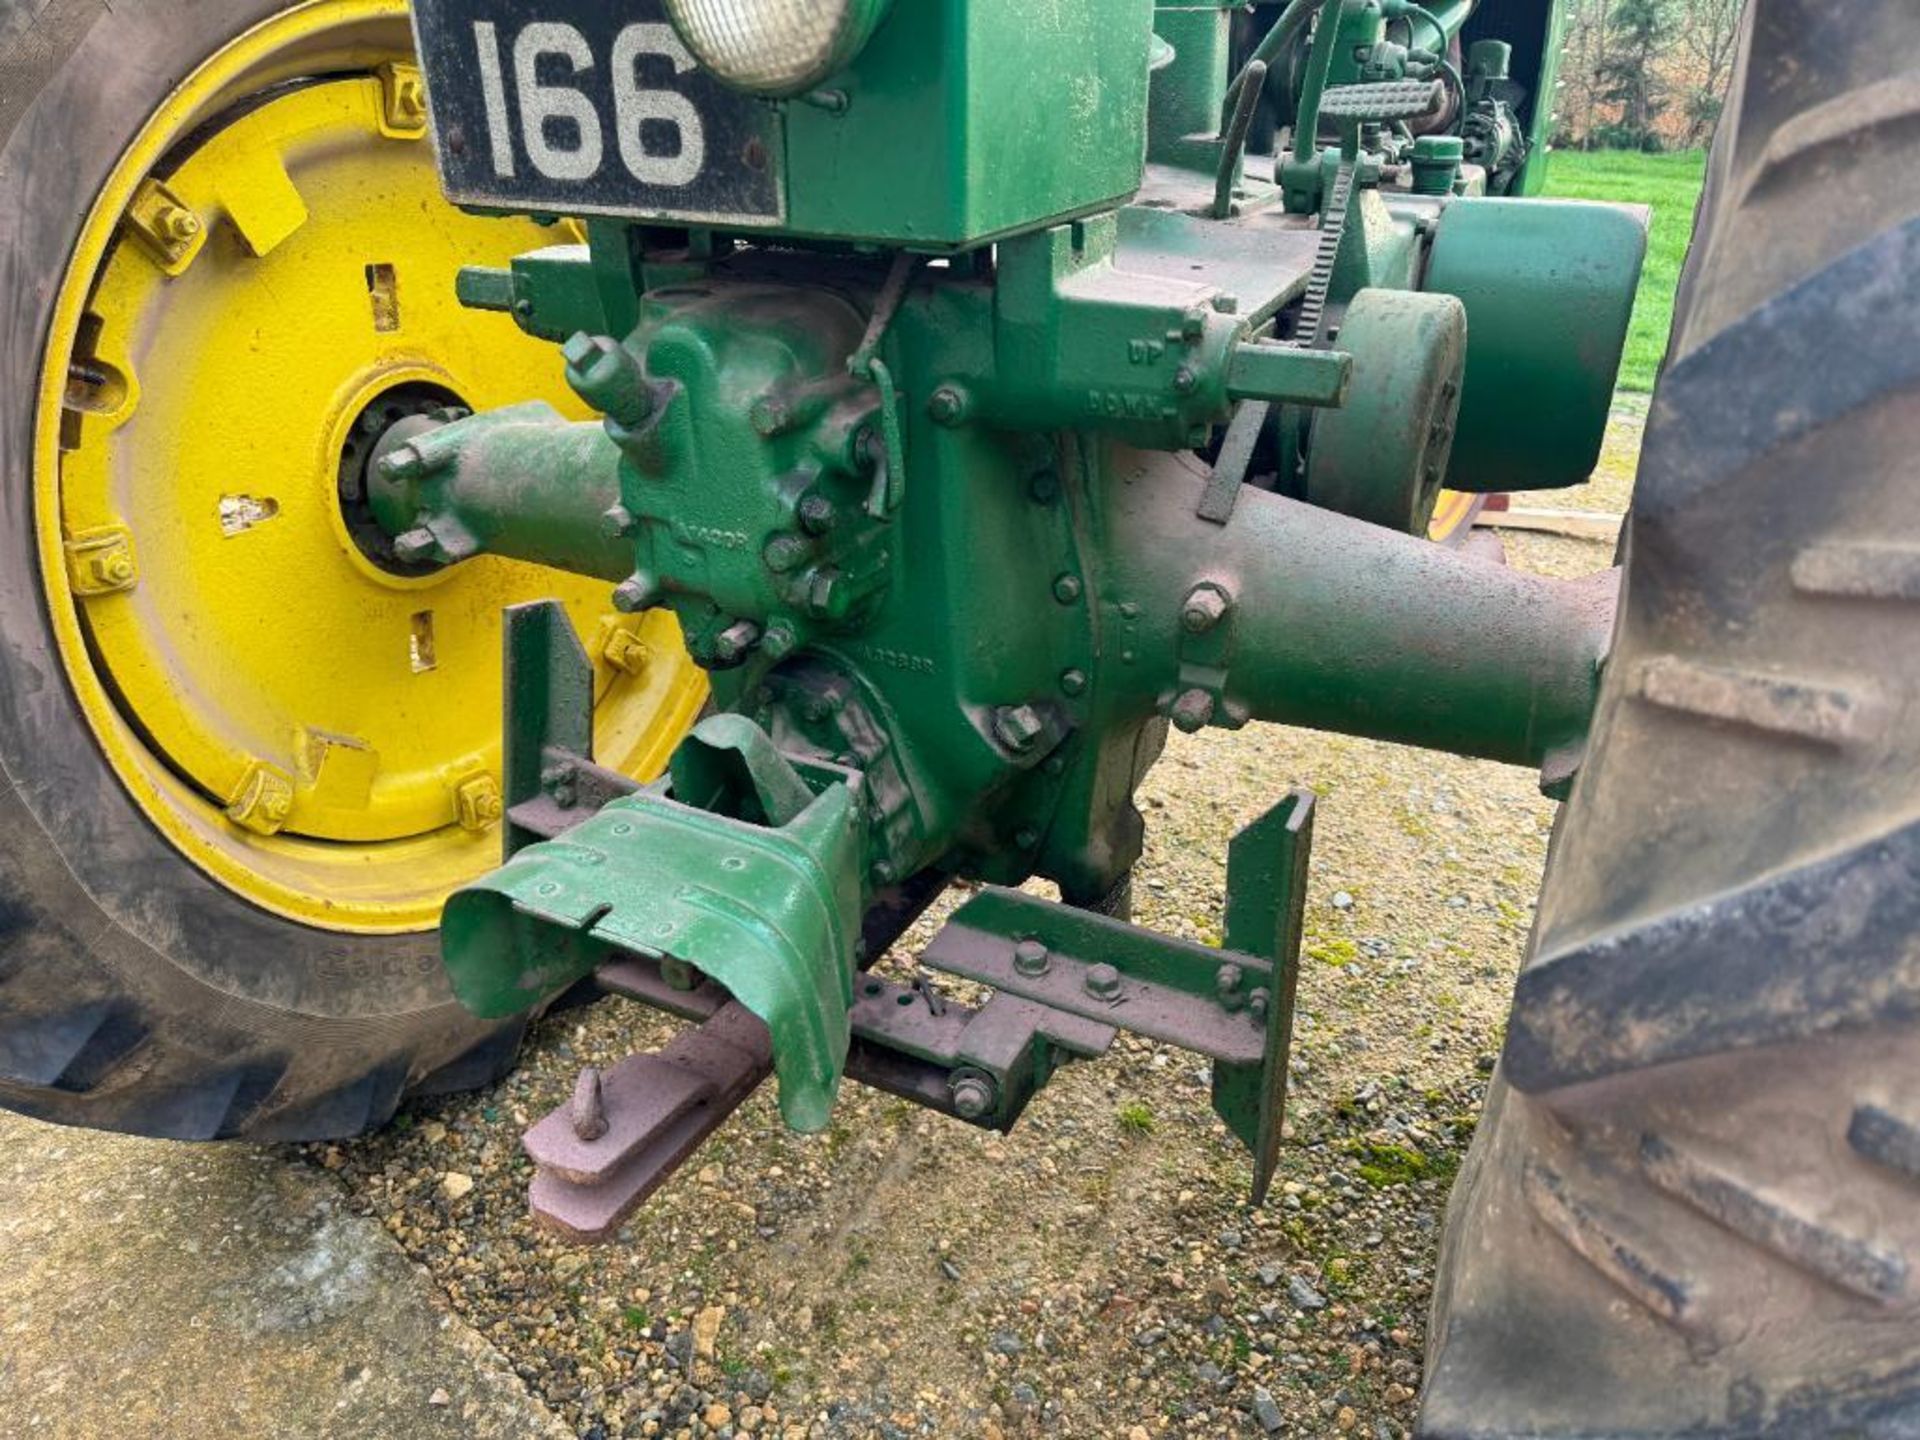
[477,802]
[639,591]
[1257,1002]
[1204,609]
[1018,727]
[617,521]
[403,462]
[780,640]
[1031,959]
[415,545]
[589,1108]
[947,406]
[816,514]
[731,645]
[177,226]
[626,652]
[409,100]
[1184,380]
[1073,682]
[1066,588]
[1103,982]
[605,374]
[783,552]
[1226,984]
[972,1096]
[1192,712]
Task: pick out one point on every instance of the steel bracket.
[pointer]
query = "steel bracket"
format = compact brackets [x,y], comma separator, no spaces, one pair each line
[1234,1004]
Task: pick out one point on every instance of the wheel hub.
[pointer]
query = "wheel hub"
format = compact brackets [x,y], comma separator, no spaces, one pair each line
[387,413]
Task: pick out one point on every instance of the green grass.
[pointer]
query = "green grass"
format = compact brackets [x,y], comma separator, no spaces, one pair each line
[1671,185]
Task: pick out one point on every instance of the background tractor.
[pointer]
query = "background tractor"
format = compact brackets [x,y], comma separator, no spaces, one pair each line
[937,405]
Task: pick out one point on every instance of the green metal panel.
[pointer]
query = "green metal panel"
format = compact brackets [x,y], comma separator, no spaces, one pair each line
[768,905]
[1549,288]
[1183,120]
[967,119]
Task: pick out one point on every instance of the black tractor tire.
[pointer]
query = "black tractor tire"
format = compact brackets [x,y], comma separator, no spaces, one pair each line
[1693,1205]
[136,994]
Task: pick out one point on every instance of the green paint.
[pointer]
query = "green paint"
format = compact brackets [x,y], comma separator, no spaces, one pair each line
[1671,185]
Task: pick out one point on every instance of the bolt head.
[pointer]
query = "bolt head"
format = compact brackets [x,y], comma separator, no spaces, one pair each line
[1066,588]
[780,640]
[1073,682]
[409,99]
[946,406]
[415,545]
[1184,380]
[972,1096]
[1018,727]
[635,593]
[816,514]
[403,462]
[582,349]
[783,552]
[178,226]
[616,521]
[731,644]
[1102,981]
[1203,610]
[1030,958]
[626,651]
[826,592]
[1192,712]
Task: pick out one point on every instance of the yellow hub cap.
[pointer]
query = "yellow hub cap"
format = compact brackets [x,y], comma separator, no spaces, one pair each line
[266,281]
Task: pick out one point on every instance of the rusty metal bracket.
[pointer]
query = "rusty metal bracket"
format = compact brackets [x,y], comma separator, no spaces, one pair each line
[981,1066]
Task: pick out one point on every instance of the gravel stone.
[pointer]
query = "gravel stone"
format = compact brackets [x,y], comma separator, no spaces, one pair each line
[1267,1412]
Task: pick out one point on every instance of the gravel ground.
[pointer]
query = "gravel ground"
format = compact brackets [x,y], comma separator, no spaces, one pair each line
[1098,1272]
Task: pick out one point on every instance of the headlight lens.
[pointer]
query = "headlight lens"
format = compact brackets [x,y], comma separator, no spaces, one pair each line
[775,47]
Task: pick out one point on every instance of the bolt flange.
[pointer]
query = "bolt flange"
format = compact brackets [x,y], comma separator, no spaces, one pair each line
[1031,958]
[972,1095]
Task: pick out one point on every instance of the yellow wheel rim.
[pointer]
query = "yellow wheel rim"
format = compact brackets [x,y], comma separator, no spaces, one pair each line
[1453,515]
[266,277]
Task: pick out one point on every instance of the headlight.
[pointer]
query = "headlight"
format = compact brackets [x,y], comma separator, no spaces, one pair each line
[775,47]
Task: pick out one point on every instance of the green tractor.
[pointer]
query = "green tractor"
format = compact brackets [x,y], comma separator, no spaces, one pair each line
[514,501]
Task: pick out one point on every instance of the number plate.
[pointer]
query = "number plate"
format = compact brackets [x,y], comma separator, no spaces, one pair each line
[590,107]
